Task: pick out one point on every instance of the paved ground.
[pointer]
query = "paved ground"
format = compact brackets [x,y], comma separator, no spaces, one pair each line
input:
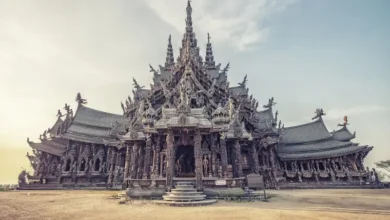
[297,204]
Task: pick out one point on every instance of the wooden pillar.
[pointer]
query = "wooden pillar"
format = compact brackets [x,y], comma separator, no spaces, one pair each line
[255,158]
[237,159]
[140,167]
[224,162]
[134,161]
[170,161]
[156,158]
[214,168]
[127,164]
[210,163]
[148,148]
[112,165]
[198,160]
[161,164]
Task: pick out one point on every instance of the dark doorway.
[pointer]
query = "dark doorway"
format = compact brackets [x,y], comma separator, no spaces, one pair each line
[67,167]
[82,165]
[185,161]
[97,165]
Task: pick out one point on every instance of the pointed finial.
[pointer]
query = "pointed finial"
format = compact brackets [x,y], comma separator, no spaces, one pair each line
[208,37]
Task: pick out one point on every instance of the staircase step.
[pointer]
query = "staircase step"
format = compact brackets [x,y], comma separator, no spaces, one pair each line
[184,198]
[186,203]
[184,184]
[184,193]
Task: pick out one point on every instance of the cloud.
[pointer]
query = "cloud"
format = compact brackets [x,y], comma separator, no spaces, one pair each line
[338,114]
[231,22]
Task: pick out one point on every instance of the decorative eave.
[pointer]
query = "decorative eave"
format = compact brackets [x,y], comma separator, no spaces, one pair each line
[325,154]
[46,148]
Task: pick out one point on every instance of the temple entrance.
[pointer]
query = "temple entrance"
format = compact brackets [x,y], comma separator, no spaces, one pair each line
[185,161]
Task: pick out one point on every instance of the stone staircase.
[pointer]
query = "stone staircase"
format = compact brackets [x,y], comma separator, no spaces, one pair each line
[184,194]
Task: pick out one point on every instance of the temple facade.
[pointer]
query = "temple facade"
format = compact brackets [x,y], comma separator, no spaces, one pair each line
[193,125]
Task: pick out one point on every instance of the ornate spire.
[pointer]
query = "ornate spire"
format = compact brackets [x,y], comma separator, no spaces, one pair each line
[189,28]
[170,61]
[209,53]
[189,50]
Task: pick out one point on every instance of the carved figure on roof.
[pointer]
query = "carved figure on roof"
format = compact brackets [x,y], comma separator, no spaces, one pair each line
[123,107]
[318,113]
[59,114]
[152,70]
[244,81]
[136,85]
[270,103]
[80,100]
[22,177]
[71,113]
[44,135]
[67,108]
[224,71]
[345,122]
[276,116]
[212,87]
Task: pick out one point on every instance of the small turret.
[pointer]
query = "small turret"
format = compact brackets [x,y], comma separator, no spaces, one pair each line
[170,61]
[209,60]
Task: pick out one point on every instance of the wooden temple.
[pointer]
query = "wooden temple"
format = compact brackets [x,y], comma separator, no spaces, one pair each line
[192,125]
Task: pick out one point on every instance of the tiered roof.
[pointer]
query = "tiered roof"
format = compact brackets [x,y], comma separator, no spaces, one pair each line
[92,126]
[313,141]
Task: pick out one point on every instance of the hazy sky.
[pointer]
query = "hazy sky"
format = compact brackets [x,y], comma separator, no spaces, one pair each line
[308,54]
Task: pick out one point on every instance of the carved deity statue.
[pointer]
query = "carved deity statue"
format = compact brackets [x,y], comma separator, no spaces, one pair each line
[205,165]
[22,177]
[332,175]
[315,173]
[103,168]
[299,174]
[74,167]
[348,173]
[90,166]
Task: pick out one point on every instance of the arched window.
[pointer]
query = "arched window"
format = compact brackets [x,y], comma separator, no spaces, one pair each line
[82,165]
[67,166]
[97,165]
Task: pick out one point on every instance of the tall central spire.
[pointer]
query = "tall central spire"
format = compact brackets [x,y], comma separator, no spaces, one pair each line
[189,34]
[189,18]
[189,42]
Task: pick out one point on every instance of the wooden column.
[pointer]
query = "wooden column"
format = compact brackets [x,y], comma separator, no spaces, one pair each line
[255,158]
[127,164]
[140,167]
[224,162]
[156,158]
[237,159]
[161,164]
[198,160]
[214,168]
[148,148]
[112,165]
[170,161]
[134,161]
